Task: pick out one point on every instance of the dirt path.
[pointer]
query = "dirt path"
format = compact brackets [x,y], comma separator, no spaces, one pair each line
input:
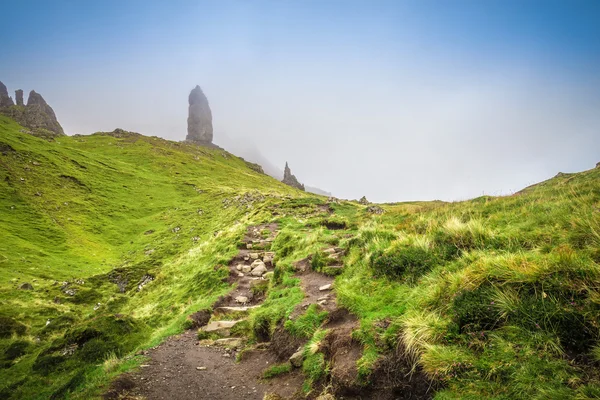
[184,367]
[180,368]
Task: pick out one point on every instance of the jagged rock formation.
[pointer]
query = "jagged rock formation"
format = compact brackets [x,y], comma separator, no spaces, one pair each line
[200,129]
[19,97]
[290,179]
[5,99]
[37,115]
[363,200]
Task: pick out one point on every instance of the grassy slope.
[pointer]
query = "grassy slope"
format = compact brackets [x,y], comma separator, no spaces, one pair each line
[76,210]
[492,297]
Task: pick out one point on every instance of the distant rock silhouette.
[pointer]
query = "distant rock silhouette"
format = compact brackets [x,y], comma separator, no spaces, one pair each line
[19,97]
[37,115]
[200,129]
[290,179]
[5,99]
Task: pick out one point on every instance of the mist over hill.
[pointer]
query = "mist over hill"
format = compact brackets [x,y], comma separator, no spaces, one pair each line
[247,150]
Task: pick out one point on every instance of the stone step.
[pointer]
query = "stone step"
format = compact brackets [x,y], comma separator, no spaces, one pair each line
[216,326]
[232,309]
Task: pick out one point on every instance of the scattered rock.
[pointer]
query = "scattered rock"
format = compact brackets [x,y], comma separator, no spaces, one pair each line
[363,200]
[290,179]
[239,267]
[254,256]
[333,200]
[226,309]
[246,269]
[325,287]
[268,257]
[268,274]
[248,245]
[200,128]
[326,297]
[217,326]
[375,210]
[146,279]
[297,358]
[259,271]
[241,299]
[26,286]
[201,368]
[234,343]
[258,268]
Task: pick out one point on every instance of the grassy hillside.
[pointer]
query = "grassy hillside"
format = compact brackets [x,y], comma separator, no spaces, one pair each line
[488,298]
[86,219]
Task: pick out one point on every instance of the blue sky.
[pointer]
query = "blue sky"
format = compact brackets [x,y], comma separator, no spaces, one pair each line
[396,100]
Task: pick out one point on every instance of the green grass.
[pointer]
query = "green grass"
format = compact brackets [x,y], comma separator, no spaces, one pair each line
[277,370]
[100,213]
[495,297]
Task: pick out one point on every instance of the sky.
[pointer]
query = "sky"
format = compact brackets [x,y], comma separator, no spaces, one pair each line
[395,100]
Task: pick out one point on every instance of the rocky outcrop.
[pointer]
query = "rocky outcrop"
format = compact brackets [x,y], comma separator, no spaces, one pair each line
[19,97]
[40,115]
[200,129]
[290,179]
[5,99]
[37,115]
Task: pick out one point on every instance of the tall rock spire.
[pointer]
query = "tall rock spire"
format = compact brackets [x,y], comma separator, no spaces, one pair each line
[19,97]
[200,129]
[290,179]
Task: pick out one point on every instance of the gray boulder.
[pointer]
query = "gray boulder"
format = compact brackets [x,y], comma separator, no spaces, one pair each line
[297,358]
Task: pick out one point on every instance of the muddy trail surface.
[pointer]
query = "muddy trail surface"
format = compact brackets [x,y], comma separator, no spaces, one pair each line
[184,367]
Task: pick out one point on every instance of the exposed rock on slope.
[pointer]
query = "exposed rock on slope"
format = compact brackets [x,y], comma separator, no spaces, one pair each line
[290,179]
[37,115]
[5,99]
[200,129]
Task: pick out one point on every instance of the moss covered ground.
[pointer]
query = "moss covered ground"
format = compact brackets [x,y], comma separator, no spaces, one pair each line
[123,236]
